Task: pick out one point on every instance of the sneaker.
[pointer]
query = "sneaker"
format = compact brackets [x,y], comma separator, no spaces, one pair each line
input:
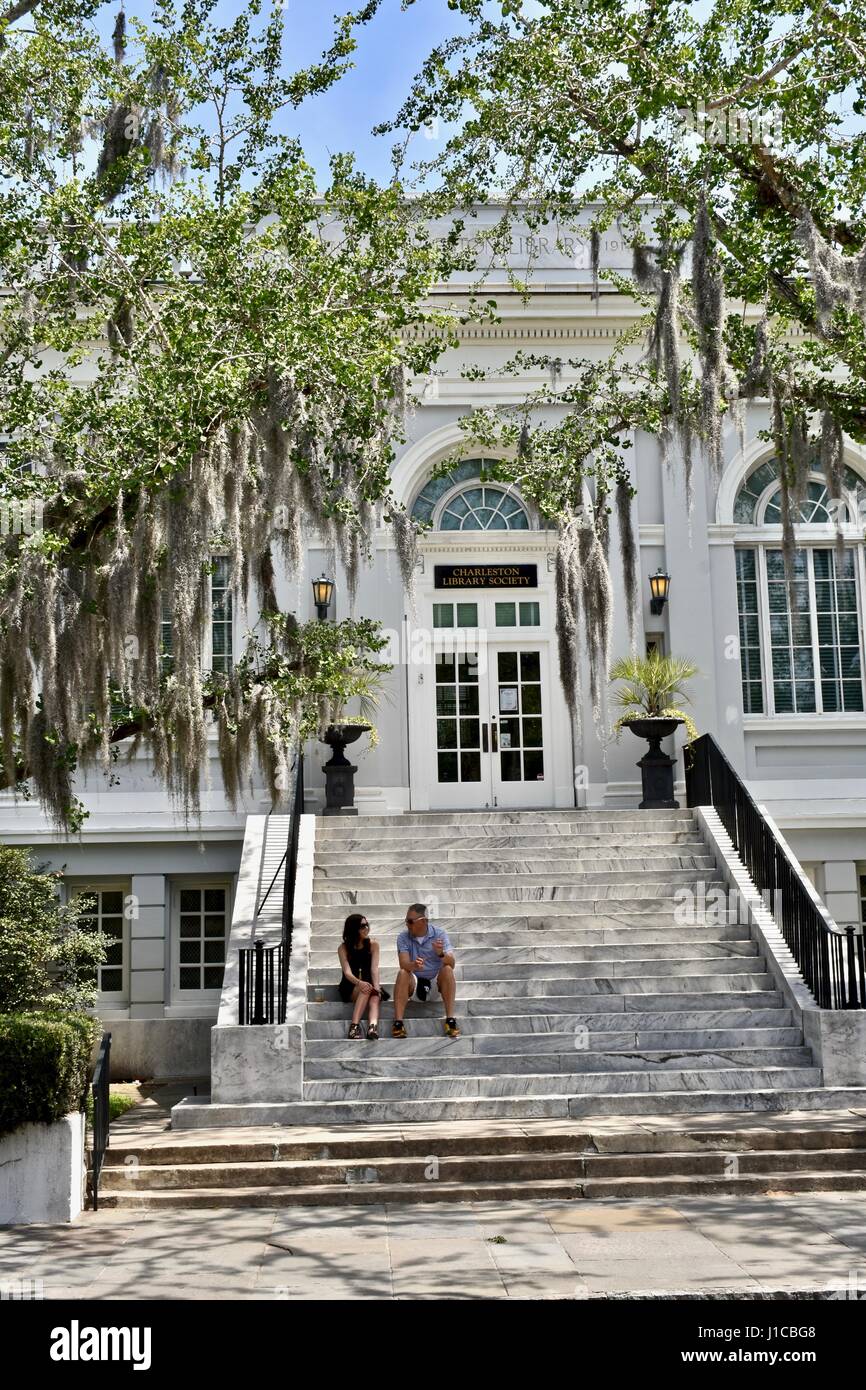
[451,1029]
[372,1033]
[398,1029]
[422,990]
[355,1031]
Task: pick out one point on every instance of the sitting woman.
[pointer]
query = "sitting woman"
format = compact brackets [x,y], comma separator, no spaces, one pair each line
[359,982]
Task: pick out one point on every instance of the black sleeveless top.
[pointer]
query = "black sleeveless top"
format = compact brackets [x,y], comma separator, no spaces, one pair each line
[360,963]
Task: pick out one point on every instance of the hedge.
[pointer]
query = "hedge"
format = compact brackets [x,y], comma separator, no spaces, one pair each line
[45,1066]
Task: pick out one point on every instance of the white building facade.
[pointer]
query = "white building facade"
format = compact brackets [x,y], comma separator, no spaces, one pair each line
[474,715]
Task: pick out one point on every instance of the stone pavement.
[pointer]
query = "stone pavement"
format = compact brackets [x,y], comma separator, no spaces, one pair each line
[717,1247]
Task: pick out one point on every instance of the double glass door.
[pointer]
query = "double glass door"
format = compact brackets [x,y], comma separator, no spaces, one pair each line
[491,719]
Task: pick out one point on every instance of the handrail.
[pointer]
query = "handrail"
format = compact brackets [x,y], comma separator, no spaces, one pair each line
[264,970]
[831,959]
[101,1114]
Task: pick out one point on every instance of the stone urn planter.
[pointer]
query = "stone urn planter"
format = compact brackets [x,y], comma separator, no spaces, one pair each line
[656,768]
[339,772]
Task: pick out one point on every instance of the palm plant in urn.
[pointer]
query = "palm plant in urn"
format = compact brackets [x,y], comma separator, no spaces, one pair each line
[651,687]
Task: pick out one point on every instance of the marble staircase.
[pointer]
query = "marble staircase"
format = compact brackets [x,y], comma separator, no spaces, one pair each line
[579,993]
[582,991]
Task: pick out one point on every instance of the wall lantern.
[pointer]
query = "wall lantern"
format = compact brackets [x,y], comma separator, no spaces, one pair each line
[323,592]
[660,584]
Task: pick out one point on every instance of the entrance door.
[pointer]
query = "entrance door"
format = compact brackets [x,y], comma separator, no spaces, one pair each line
[492,718]
[519,723]
[462,733]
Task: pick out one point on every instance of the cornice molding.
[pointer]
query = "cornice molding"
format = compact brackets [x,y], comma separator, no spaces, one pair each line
[499,333]
[651,533]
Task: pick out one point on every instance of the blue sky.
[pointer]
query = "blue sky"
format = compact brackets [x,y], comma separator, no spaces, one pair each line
[391,49]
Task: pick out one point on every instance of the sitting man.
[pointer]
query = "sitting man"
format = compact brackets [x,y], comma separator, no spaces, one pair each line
[425,955]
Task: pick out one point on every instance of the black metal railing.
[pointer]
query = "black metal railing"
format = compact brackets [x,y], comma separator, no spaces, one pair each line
[263,980]
[101,1115]
[831,958]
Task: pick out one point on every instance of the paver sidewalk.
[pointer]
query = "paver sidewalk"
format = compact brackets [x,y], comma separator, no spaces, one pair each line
[807,1246]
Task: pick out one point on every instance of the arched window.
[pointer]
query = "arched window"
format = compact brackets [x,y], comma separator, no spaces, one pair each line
[809,659]
[464,500]
[759,499]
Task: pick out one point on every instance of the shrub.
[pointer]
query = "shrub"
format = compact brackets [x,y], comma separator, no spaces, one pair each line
[45,1065]
[47,957]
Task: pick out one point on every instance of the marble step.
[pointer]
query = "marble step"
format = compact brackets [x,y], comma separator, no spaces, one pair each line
[337,827]
[514,887]
[370,1064]
[720,1133]
[747,994]
[496,1031]
[602,914]
[637,859]
[498,979]
[387,1173]
[562,848]
[496,899]
[197,1112]
[534,1044]
[472,958]
[510,873]
[356,1194]
[680,977]
[702,1076]
[324,942]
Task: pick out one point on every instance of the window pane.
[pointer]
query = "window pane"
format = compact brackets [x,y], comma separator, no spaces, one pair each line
[467,615]
[443,615]
[445,667]
[506,615]
[509,733]
[446,733]
[190,899]
[510,766]
[532,733]
[470,733]
[507,666]
[447,766]
[530,614]
[806,699]
[446,699]
[781,665]
[470,767]
[530,666]
[533,765]
[111,902]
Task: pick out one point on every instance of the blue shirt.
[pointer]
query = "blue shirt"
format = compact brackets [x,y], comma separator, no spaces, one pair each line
[423,946]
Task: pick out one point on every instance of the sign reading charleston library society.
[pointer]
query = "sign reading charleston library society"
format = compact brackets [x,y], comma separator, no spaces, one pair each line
[485,576]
